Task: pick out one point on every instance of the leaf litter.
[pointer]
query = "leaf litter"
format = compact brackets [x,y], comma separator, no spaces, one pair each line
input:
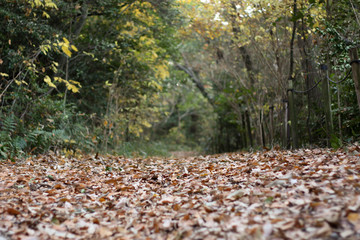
[303,194]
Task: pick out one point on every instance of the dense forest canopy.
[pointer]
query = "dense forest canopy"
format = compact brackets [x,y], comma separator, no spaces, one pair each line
[140,77]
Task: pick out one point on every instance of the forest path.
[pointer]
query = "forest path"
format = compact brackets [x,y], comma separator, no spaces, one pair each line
[184,154]
[303,194]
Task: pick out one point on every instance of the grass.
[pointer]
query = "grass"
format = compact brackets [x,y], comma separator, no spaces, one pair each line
[148,149]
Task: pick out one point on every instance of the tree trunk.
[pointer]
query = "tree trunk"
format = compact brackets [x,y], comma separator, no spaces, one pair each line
[244,137]
[354,57]
[291,84]
[271,130]
[309,69]
[248,127]
[293,118]
[286,125]
[248,65]
[243,50]
[327,108]
[76,32]
[262,128]
[339,114]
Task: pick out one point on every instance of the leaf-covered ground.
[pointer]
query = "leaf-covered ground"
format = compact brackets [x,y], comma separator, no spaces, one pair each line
[304,194]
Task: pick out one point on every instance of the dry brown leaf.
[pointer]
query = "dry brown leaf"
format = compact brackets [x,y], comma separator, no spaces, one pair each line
[104,232]
[274,194]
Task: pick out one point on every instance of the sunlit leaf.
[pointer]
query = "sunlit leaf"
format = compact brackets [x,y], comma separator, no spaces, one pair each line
[49,82]
[66,50]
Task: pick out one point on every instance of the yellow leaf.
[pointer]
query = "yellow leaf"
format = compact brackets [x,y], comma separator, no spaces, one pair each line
[21,82]
[105,123]
[45,48]
[72,88]
[46,15]
[162,71]
[74,48]
[59,79]
[48,81]
[4,74]
[66,50]
[75,82]
[37,3]
[50,4]
[66,41]
[89,54]
[146,123]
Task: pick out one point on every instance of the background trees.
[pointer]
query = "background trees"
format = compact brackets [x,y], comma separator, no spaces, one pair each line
[214,75]
[268,64]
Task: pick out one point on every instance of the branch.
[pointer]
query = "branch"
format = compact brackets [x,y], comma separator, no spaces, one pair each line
[80,24]
[197,82]
[292,44]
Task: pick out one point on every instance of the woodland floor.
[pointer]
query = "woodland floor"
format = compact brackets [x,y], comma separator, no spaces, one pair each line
[303,194]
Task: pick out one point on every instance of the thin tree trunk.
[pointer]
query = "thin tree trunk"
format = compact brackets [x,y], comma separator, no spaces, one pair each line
[286,125]
[291,84]
[262,133]
[339,114]
[244,137]
[248,126]
[354,57]
[243,50]
[76,32]
[271,130]
[327,108]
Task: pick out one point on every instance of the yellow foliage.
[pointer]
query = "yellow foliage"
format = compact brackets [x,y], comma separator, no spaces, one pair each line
[49,82]
[75,82]
[37,3]
[145,123]
[66,50]
[21,82]
[70,85]
[66,41]
[45,14]
[66,46]
[156,85]
[162,71]
[46,3]
[45,48]
[136,129]
[4,74]
[50,4]
[74,48]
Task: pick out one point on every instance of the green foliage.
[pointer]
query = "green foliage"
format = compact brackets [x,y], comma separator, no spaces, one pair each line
[16,141]
[335,142]
[85,75]
[116,49]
